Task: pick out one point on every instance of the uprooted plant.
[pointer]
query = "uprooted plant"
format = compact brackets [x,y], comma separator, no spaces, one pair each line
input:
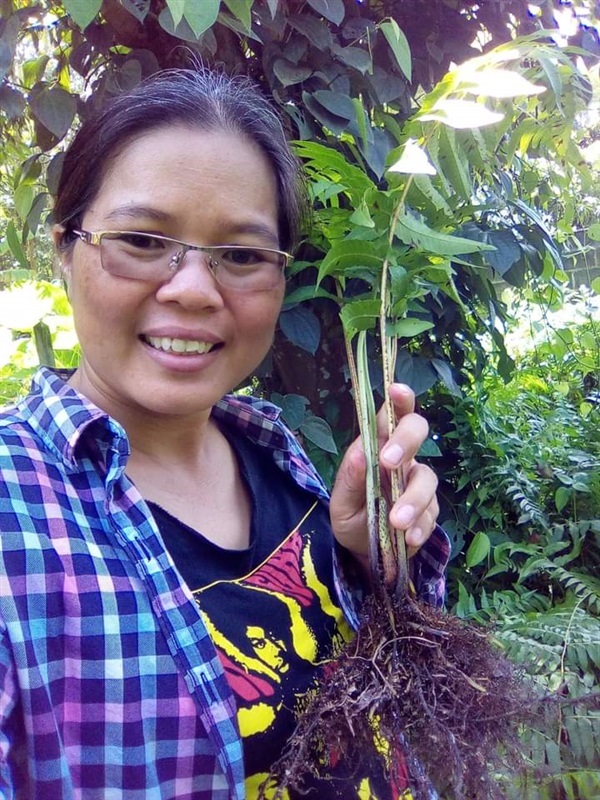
[414,680]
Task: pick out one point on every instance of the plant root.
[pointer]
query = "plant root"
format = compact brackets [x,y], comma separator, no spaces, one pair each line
[422,683]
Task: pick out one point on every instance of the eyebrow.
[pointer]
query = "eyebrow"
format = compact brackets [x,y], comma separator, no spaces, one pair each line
[156,215]
[135,212]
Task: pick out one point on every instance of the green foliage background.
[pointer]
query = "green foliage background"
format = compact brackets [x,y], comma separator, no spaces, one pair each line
[368,90]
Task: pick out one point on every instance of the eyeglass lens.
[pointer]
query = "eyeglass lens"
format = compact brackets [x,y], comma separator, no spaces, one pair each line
[146,257]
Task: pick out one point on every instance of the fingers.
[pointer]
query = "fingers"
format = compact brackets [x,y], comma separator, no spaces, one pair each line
[417,509]
[410,431]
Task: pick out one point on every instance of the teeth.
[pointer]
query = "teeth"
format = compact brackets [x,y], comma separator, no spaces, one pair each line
[178,345]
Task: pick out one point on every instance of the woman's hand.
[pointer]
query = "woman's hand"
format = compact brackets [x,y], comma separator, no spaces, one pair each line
[416,509]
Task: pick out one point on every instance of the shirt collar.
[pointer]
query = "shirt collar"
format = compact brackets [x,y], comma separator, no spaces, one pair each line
[65,419]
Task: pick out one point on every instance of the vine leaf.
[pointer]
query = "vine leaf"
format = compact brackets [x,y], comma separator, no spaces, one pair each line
[333,10]
[399,45]
[201,16]
[301,327]
[82,12]
[55,109]
[317,431]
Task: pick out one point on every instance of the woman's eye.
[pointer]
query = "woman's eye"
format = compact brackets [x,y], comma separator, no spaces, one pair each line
[142,242]
[243,257]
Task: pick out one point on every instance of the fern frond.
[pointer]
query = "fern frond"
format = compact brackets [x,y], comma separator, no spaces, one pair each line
[585,587]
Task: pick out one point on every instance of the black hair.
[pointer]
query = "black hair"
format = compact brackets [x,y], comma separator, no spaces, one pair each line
[201,98]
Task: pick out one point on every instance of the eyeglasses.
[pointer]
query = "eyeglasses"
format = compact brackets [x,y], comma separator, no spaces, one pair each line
[150,257]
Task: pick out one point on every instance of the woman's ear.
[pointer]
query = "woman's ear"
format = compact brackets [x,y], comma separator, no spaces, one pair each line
[63,254]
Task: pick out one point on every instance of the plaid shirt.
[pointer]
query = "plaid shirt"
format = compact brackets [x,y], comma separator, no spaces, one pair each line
[110,687]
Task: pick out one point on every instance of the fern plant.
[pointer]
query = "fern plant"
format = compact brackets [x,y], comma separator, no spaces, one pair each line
[528,467]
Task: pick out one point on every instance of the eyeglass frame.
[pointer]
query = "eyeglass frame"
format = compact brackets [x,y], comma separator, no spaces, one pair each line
[94,238]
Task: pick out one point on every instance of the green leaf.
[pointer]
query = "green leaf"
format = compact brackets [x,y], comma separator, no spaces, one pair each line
[399,45]
[33,69]
[242,10]
[301,327]
[561,497]
[409,327]
[333,10]
[24,195]
[359,315]
[354,57]
[453,164]
[55,108]
[362,216]
[12,102]
[293,408]
[201,16]
[415,232]
[43,344]
[507,250]
[8,43]
[478,549]
[82,12]
[318,432]
[313,29]
[429,449]
[289,73]
[37,208]
[339,104]
[177,9]
[595,284]
[593,232]
[350,254]
[14,243]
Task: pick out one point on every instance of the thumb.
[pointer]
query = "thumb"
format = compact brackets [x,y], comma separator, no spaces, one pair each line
[349,493]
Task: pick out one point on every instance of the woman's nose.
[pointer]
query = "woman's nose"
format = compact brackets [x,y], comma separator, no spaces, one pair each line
[193,281]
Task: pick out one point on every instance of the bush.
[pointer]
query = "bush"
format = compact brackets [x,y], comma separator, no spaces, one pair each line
[524,478]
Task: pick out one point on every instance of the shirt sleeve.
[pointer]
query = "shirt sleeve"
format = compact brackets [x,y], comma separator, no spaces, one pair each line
[428,572]
[8,699]
[429,568]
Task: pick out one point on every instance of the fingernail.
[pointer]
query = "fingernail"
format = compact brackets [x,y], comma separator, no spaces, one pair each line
[393,454]
[404,516]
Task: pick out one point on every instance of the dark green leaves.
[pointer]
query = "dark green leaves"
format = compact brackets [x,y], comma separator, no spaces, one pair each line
[55,108]
[289,73]
[399,45]
[333,10]
[301,327]
[12,102]
[9,31]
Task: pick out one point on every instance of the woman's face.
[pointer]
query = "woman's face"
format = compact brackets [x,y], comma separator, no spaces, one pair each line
[205,188]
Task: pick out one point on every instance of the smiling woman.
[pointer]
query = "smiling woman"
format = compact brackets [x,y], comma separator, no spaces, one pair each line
[174,581]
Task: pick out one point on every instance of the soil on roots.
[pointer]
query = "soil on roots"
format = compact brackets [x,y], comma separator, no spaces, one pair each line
[422,682]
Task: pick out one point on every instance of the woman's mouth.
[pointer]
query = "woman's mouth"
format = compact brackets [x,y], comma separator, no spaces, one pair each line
[180,346]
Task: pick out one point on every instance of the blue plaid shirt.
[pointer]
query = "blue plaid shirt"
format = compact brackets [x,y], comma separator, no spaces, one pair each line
[110,686]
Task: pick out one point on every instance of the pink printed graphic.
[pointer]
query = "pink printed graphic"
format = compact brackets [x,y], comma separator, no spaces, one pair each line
[282,572]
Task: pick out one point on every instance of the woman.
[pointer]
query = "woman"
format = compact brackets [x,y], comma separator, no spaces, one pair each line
[169,583]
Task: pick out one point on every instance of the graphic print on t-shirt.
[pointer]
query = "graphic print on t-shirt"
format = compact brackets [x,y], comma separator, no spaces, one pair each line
[275,629]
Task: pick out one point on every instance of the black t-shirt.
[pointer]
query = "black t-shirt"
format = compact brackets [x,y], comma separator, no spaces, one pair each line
[273,614]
